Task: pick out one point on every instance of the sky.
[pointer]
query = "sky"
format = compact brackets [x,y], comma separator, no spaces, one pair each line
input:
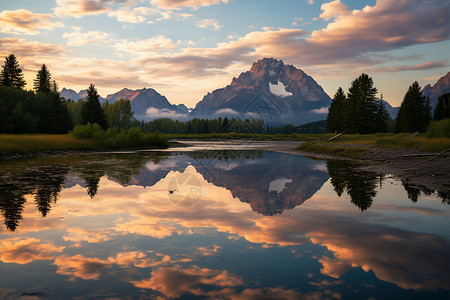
[186,48]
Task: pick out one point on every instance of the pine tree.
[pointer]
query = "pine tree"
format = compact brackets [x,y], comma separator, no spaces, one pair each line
[414,112]
[92,111]
[382,116]
[360,109]
[11,74]
[442,110]
[54,88]
[335,112]
[42,83]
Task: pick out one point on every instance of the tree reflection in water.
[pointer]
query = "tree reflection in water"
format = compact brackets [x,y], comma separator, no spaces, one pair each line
[361,185]
[44,182]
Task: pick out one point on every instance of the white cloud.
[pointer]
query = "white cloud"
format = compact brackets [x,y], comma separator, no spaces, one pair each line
[321,111]
[78,38]
[226,111]
[153,112]
[208,23]
[126,16]
[156,43]
[141,14]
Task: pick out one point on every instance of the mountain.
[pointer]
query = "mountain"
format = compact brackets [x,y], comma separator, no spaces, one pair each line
[392,111]
[271,91]
[442,86]
[71,94]
[149,104]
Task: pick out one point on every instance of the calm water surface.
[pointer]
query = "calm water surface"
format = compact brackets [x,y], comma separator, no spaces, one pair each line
[239,224]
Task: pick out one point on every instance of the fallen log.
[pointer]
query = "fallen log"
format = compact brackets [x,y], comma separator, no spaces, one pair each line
[416,155]
[440,154]
[335,137]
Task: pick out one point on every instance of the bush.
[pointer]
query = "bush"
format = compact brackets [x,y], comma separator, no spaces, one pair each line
[112,138]
[439,129]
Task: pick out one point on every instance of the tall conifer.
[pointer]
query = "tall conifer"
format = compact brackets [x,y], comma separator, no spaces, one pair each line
[11,74]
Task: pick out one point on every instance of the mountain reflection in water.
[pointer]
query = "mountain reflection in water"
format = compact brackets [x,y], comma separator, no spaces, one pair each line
[106,225]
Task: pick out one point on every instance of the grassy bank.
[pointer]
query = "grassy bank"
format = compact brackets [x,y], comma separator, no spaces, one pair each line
[19,143]
[83,137]
[353,145]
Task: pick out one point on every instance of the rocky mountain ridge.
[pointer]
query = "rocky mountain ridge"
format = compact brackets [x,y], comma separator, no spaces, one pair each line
[272,91]
[275,92]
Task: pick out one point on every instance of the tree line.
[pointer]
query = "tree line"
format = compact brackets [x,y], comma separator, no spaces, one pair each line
[43,110]
[359,111]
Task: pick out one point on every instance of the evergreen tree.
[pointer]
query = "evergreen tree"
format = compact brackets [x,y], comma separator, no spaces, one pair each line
[43,83]
[442,110]
[414,112]
[382,116]
[335,112]
[225,125]
[92,111]
[54,87]
[11,74]
[360,109]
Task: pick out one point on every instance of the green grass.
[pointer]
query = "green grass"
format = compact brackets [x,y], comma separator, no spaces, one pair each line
[353,145]
[15,143]
[322,147]
[422,143]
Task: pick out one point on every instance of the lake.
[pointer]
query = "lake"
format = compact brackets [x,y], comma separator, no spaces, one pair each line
[217,221]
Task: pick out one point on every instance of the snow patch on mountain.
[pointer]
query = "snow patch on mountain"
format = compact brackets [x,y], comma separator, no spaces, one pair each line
[279,89]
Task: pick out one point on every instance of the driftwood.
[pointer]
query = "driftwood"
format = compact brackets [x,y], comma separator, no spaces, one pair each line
[416,155]
[436,155]
[440,154]
[415,133]
[335,137]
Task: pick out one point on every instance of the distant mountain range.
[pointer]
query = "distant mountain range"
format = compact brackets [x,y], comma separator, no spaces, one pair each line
[272,91]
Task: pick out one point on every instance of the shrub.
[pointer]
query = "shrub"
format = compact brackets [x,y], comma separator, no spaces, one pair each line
[439,129]
[113,138]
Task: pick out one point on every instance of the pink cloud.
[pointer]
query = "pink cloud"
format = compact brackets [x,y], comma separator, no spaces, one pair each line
[174,282]
[27,250]
[175,4]
[23,21]
[334,9]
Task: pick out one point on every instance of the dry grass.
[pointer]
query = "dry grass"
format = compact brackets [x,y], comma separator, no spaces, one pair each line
[14,143]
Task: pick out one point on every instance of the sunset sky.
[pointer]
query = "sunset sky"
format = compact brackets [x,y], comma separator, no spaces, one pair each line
[187,48]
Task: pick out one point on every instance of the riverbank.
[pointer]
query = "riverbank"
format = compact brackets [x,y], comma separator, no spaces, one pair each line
[403,156]
[414,167]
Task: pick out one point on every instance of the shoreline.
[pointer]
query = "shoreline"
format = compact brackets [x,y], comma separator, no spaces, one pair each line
[424,174]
